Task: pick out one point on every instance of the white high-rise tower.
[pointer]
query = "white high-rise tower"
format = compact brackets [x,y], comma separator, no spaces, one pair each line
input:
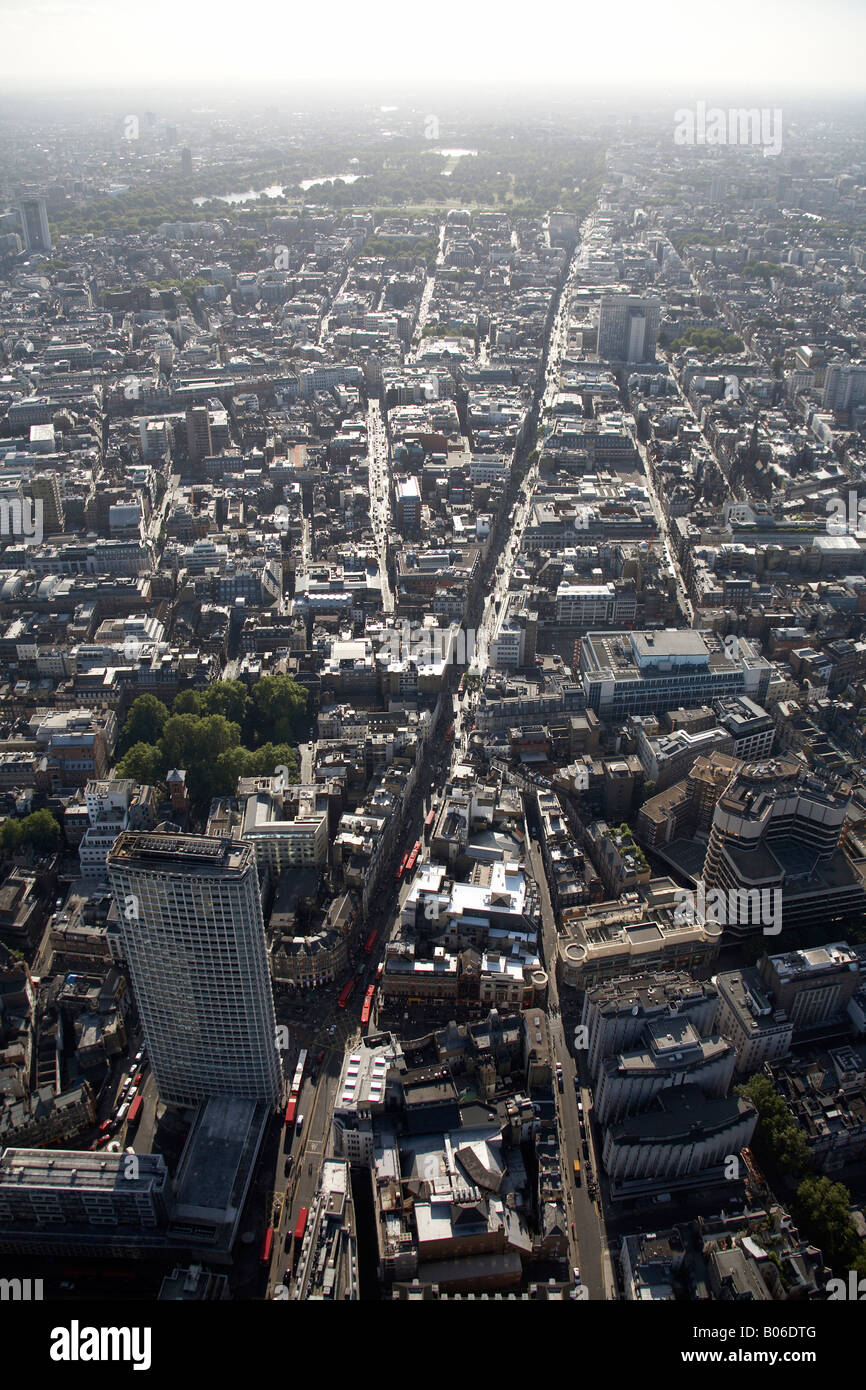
[193,935]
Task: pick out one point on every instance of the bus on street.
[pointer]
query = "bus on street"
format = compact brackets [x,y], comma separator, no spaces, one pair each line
[368,1005]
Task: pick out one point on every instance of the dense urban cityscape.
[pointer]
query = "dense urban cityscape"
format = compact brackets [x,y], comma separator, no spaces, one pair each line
[432,705]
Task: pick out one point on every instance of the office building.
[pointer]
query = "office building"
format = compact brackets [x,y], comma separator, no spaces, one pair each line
[750,726]
[34,221]
[651,672]
[670,1053]
[603,941]
[776,829]
[758,1030]
[628,326]
[813,986]
[407,498]
[684,1141]
[45,489]
[191,930]
[198,433]
[617,1012]
[286,831]
[844,386]
[56,1201]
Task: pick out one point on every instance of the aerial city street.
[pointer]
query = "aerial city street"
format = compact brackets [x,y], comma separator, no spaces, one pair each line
[432,701]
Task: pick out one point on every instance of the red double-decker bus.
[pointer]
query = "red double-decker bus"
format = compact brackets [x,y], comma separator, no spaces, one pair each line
[367,1008]
[134,1112]
[403,862]
[371,942]
[413,855]
[345,995]
[301,1225]
[267,1245]
[290,1112]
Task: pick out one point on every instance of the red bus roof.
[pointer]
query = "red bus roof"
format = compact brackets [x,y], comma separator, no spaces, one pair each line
[301,1223]
[430,817]
[134,1111]
[370,942]
[368,1004]
[290,1111]
[267,1244]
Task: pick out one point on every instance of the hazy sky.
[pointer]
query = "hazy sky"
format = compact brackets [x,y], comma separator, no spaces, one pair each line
[764,46]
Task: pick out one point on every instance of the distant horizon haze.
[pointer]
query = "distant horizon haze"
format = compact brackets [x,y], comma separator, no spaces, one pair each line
[726,54]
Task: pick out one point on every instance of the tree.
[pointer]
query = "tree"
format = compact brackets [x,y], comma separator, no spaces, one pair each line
[229,698]
[779,1141]
[273,755]
[279,710]
[143,762]
[187,740]
[39,831]
[144,723]
[187,702]
[823,1211]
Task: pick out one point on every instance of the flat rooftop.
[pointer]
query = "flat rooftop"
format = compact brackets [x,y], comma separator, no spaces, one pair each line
[218,1158]
[146,848]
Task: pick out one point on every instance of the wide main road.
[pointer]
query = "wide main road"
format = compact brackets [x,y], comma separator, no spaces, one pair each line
[586,1219]
[511,550]
[308,1149]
